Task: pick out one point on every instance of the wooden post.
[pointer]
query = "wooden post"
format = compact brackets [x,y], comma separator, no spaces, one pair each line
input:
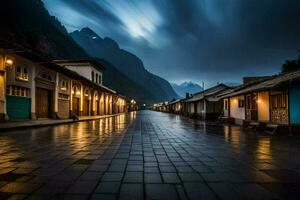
[32,93]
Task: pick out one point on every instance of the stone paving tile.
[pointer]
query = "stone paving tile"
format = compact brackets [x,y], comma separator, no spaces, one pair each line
[151,170]
[111,176]
[170,178]
[72,197]
[152,178]
[135,168]
[17,197]
[90,176]
[131,191]
[161,191]
[108,187]
[254,191]
[104,197]
[148,155]
[82,187]
[133,177]
[190,177]
[52,188]
[197,191]
[15,187]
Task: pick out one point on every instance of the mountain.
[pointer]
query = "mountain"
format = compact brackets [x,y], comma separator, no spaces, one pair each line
[29,24]
[186,87]
[157,88]
[114,79]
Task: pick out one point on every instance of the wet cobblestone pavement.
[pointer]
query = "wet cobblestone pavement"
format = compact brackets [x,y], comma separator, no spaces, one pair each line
[148,155]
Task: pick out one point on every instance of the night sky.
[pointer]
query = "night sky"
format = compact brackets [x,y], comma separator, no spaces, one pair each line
[200,40]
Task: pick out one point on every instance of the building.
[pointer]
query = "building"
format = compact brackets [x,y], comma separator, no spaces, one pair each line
[175,106]
[206,104]
[32,87]
[161,107]
[274,101]
[94,101]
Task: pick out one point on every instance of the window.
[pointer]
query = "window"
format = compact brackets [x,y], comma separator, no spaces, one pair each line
[93,76]
[100,79]
[22,73]
[13,90]
[76,90]
[63,96]
[46,76]
[96,78]
[241,103]
[86,92]
[279,101]
[64,85]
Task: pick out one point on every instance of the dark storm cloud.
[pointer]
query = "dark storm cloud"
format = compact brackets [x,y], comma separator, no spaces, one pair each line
[210,40]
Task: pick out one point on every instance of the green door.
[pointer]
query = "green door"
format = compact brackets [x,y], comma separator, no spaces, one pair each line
[18,107]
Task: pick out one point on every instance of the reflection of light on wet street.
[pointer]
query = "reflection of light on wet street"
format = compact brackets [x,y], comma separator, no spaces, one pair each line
[132,149]
[263,151]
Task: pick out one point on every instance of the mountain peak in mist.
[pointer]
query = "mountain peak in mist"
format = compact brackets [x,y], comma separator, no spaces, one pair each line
[186,87]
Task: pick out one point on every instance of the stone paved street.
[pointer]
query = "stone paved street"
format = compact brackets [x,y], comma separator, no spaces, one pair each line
[147,155]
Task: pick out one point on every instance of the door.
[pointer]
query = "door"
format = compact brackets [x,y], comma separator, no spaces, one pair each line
[251,107]
[254,107]
[97,108]
[75,107]
[101,108]
[86,106]
[195,107]
[18,107]
[43,103]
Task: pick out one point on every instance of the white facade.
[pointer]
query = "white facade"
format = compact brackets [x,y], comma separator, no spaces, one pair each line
[237,112]
[88,72]
[86,68]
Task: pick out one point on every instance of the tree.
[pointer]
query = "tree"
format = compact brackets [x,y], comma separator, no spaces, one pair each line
[291,65]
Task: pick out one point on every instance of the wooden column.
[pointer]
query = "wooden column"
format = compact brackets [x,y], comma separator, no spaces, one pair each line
[71,96]
[3,114]
[81,99]
[32,93]
[56,89]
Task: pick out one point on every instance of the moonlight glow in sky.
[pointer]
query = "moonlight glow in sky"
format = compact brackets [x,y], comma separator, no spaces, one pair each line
[200,40]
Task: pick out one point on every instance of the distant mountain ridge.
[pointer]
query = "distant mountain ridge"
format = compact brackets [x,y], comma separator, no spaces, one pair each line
[29,24]
[186,87]
[127,63]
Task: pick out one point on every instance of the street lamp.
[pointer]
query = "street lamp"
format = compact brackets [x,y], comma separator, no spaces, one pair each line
[8,66]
